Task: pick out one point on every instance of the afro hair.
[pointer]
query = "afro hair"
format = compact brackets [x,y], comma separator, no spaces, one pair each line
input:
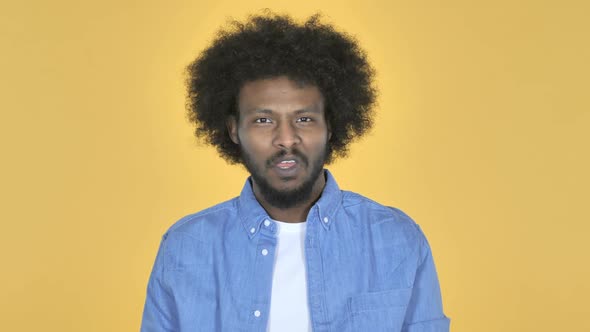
[271,45]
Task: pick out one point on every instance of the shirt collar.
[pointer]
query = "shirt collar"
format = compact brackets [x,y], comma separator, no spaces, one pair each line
[252,214]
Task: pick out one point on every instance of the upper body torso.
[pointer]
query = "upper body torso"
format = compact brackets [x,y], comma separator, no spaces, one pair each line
[368,268]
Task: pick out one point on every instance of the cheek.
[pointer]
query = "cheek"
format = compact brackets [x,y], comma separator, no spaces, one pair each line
[318,140]
[253,143]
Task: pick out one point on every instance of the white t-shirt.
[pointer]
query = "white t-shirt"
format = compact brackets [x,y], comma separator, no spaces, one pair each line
[289,311]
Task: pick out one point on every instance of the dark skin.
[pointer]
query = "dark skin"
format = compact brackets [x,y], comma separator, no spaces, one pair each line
[277,115]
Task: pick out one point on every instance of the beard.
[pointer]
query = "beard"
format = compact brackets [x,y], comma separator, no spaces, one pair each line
[284,199]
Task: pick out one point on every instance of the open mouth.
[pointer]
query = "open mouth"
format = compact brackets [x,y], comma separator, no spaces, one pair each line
[286,164]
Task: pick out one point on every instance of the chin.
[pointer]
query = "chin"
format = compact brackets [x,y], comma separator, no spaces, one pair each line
[284,187]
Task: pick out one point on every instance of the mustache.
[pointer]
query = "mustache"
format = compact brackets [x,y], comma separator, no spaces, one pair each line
[274,159]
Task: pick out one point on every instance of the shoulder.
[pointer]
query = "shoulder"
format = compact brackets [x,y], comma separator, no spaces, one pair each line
[352,201]
[189,241]
[207,221]
[390,223]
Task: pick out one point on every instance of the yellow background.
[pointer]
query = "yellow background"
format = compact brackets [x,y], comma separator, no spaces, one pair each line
[482,136]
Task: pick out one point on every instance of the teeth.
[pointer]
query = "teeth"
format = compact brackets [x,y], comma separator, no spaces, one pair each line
[286,163]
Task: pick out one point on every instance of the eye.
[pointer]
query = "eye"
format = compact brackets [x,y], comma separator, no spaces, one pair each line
[304,119]
[263,120]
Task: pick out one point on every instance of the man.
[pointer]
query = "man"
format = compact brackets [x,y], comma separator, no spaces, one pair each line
[293,252]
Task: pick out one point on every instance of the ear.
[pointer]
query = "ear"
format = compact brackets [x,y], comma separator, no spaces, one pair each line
[232,128]
[329,130]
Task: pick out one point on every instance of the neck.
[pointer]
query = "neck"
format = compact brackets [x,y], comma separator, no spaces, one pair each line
[297,213]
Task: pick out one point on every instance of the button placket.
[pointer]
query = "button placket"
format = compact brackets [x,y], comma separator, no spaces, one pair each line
[315,278]
[262,275]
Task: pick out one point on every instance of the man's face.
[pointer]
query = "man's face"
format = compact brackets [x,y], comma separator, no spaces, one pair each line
[283,137]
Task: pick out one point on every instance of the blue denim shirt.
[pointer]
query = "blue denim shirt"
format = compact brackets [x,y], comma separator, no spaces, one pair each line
[369,268]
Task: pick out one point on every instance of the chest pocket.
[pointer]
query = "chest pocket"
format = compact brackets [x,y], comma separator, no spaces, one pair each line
[379,311]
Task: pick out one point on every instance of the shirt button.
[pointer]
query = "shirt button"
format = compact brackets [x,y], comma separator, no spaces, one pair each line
[264,252]
[326,220]
[267,223]
[257,313]
[252,230]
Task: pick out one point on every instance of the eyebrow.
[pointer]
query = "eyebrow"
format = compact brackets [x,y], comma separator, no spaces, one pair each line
[263,110]
[300,111]
[308,110]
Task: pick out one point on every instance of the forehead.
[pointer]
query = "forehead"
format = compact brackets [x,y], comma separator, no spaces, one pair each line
[280,94]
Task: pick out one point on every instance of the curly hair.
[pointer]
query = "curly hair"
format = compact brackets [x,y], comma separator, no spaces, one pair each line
[272,45]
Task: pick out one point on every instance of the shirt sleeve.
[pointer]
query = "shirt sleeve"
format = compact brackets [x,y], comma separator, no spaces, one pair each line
[159,313]
[425,312]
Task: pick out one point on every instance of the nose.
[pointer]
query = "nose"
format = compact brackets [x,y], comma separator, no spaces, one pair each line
[286,135]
